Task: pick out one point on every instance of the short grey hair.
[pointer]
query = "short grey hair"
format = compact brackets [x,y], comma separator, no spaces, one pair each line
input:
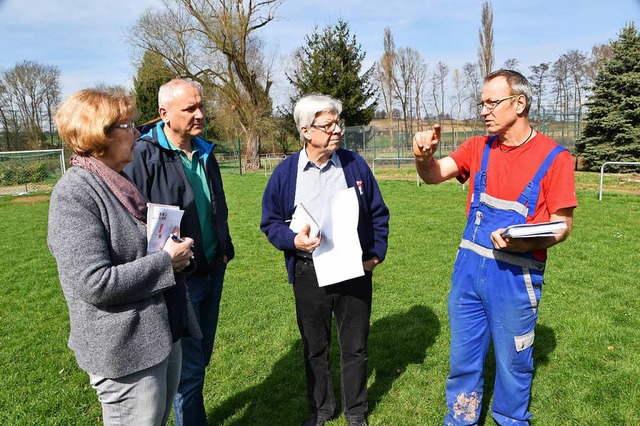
[308,107]
[168,90]
[517,82]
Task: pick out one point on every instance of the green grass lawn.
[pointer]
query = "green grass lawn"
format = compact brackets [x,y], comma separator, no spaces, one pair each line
[587,349]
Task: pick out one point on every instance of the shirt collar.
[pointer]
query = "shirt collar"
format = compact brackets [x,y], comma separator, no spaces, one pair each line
[304,163]
[199,145]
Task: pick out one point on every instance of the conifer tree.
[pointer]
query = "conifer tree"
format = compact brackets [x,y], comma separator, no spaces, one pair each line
[329,63]
[152,74]
[612,124]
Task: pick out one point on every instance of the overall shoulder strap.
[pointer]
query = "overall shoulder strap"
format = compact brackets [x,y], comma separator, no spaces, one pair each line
[480,179]
[529,196]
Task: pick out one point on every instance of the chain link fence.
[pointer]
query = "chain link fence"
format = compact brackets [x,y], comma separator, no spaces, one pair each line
[386,144]
[27,172]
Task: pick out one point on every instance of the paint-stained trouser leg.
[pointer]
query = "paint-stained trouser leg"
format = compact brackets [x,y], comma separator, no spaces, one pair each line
[513,304]
[470,339]
[491,299]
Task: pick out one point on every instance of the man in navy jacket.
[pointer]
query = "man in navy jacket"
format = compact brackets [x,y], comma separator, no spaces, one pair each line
[312,176]
[173,165]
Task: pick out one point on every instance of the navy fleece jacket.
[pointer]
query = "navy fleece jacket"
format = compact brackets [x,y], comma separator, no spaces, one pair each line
[279,196]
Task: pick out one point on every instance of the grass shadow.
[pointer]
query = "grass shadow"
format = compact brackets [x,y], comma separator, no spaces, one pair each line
[395,342]
[545,343]
[280,399]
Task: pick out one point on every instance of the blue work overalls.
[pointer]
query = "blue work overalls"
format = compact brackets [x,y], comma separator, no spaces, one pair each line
[494,294]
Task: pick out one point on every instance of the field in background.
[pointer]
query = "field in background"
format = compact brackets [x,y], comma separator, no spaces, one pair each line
[587,352]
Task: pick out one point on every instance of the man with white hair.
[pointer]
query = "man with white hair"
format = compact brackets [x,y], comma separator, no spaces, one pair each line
[311,176]
[173,165]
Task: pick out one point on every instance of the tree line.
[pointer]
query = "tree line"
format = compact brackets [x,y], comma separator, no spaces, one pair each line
[29,93]
[419,95]
[218,45]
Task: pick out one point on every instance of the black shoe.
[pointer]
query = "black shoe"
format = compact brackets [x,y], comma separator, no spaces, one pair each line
[358,422]
[314,421]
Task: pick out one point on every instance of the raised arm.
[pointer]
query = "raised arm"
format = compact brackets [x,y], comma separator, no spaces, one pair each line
[429,169]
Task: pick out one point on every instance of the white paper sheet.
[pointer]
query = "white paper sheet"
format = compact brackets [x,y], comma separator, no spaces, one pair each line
[302,217]
[339,257]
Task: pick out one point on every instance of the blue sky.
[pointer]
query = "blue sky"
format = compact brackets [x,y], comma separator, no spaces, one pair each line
[87,39]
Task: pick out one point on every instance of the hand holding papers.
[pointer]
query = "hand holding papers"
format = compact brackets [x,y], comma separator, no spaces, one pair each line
[535,230]
[339,257]
[162,221]
[302,217]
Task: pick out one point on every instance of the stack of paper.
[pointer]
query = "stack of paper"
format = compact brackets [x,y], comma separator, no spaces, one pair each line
[339,257]
[162,221]
[535,230]
[301,217]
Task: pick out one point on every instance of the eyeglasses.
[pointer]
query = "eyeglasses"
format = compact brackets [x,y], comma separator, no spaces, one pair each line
[330,128]
[130,126]
[491,105]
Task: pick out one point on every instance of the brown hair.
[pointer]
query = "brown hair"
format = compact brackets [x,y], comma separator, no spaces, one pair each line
[84,119]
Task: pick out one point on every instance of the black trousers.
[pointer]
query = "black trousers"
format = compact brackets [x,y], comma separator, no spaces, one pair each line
[350,302]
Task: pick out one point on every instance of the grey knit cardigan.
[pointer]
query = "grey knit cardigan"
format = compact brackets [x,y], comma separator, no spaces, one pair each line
[118,316]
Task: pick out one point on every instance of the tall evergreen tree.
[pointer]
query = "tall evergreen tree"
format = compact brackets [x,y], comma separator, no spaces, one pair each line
[329,63]
[152,73]
[612,125]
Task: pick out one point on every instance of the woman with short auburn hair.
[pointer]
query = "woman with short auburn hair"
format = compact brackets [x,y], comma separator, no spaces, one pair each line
[127,309]
[85,119]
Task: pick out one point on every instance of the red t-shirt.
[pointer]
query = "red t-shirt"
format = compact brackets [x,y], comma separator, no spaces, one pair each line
[509,172]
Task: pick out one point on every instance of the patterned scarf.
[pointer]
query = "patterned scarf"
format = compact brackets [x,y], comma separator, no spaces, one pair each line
[119,183]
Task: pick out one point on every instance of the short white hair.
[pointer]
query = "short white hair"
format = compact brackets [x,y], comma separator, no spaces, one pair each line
[308,107]
[168,90]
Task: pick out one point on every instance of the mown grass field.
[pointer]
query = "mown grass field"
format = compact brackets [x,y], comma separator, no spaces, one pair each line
[587,349]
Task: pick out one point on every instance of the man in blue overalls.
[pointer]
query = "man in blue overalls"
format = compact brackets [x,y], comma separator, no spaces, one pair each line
[516,176]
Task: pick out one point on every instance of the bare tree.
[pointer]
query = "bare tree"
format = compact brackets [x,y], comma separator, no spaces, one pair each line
[512,64]
[538,84]
[214,43]
[457,101]
[438,88]
[486,48]
[560,88]
[435,96]
[30,90]
[576,65]
[406,62]
[51,82]
[473,84]
[386,76]
[599,54]
[419,83]
[9,130]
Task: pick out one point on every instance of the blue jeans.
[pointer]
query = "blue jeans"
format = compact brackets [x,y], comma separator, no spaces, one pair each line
[205,292]
[141,398]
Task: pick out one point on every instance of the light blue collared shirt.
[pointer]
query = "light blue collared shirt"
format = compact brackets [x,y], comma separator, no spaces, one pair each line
[316,185]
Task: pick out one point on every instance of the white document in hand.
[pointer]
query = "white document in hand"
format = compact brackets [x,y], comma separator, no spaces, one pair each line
[300,218]
[162,221]
[535,230]
[339,257]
